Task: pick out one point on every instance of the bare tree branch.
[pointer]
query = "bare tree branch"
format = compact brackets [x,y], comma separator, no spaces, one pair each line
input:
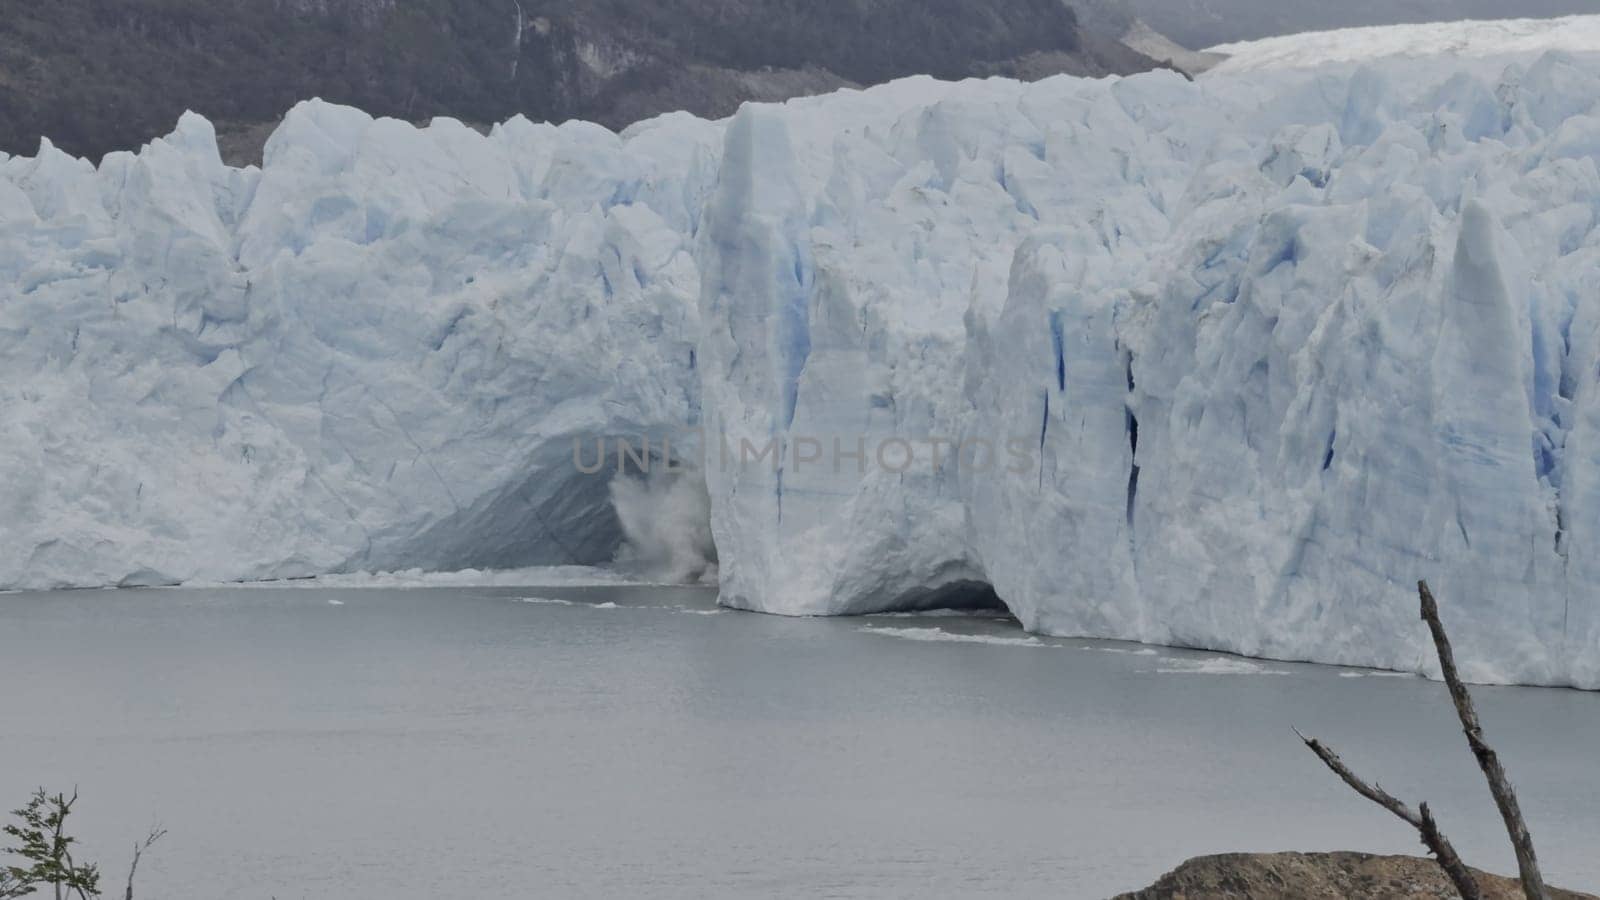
[156,834]
[1488,760]
[58,835]
[1422,820]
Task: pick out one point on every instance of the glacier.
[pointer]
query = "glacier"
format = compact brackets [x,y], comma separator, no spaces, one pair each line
[1255,352]
[371,354]
[1464,40]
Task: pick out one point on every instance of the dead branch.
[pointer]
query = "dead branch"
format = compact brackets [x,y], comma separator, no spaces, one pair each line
[156,834]
[1441,848]
[1488,760]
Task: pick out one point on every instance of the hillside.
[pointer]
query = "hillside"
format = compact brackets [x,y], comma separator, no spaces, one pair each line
[102,75]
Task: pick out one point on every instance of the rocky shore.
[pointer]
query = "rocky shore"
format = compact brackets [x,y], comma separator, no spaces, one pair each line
[1321,876]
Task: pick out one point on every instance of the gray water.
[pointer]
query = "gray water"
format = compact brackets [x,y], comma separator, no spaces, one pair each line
[460,743]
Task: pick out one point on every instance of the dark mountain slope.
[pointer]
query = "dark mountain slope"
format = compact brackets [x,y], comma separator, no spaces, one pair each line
[102,75]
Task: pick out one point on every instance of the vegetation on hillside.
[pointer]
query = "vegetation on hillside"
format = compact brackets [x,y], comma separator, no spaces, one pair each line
[102,75]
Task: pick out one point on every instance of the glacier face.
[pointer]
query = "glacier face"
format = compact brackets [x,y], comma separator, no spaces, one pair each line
[1284,348]
[1250,354]
[374,353]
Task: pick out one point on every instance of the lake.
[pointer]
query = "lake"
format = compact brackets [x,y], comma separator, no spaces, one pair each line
[637,741]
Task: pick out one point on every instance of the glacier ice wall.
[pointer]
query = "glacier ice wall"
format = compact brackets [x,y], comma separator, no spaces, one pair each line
[373,353]
[1281,347]
[1250,354]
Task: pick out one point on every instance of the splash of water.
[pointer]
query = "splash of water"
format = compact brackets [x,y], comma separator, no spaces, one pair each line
[666,521]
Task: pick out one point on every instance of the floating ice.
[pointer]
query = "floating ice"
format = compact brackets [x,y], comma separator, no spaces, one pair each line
[1216,665]
[940,635]
[536,576]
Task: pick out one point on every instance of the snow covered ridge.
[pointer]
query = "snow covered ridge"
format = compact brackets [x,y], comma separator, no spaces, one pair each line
[1462,40]
[1286,345]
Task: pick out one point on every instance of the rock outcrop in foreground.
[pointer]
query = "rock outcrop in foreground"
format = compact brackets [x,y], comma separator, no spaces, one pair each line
[1321,876]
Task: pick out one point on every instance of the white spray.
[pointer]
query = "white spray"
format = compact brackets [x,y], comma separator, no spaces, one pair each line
[666,521]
